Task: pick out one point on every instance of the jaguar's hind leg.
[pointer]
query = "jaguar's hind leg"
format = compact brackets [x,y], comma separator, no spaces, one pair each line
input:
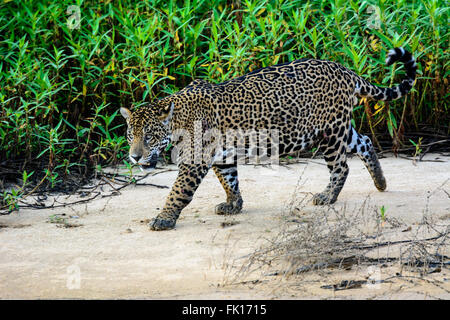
[228,177]
[363,147]
[336,158]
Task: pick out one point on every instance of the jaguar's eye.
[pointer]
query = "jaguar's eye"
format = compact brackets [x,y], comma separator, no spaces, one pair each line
[148,137]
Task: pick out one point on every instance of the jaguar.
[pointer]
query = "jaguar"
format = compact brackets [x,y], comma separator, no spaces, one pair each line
[307,102]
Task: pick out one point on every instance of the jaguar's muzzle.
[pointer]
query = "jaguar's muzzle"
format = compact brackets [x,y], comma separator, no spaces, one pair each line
[149,165]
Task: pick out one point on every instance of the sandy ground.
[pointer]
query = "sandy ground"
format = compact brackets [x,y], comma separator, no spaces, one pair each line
[112,253]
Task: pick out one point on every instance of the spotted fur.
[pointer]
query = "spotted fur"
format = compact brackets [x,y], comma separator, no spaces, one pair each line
[308,101]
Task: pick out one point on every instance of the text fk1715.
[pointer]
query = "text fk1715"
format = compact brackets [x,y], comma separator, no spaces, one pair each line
[239,309]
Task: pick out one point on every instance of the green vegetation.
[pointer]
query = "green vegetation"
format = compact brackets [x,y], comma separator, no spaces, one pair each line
[383,213]
[61,84]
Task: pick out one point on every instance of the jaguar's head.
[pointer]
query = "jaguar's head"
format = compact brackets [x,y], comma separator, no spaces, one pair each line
[148,133]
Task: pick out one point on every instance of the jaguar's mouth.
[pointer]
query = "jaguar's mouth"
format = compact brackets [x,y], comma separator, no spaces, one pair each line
[150,165]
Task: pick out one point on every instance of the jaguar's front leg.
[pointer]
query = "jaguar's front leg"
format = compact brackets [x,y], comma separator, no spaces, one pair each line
[228,177]
[187,182]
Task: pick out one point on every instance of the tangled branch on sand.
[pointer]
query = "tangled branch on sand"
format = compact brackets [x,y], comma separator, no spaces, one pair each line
[115,181]
[339,237]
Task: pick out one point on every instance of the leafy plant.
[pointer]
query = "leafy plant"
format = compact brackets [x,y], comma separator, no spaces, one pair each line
[418,150]
[383,213]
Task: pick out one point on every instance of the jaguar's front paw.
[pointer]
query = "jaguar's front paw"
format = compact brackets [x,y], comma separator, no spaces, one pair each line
[158,224]
[323,198]
[228,208]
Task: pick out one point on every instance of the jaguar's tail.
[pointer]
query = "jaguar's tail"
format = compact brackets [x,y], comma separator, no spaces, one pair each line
[364,88]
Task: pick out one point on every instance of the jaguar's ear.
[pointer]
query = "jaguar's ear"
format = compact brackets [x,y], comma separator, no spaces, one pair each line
[126,113]
[167,113]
